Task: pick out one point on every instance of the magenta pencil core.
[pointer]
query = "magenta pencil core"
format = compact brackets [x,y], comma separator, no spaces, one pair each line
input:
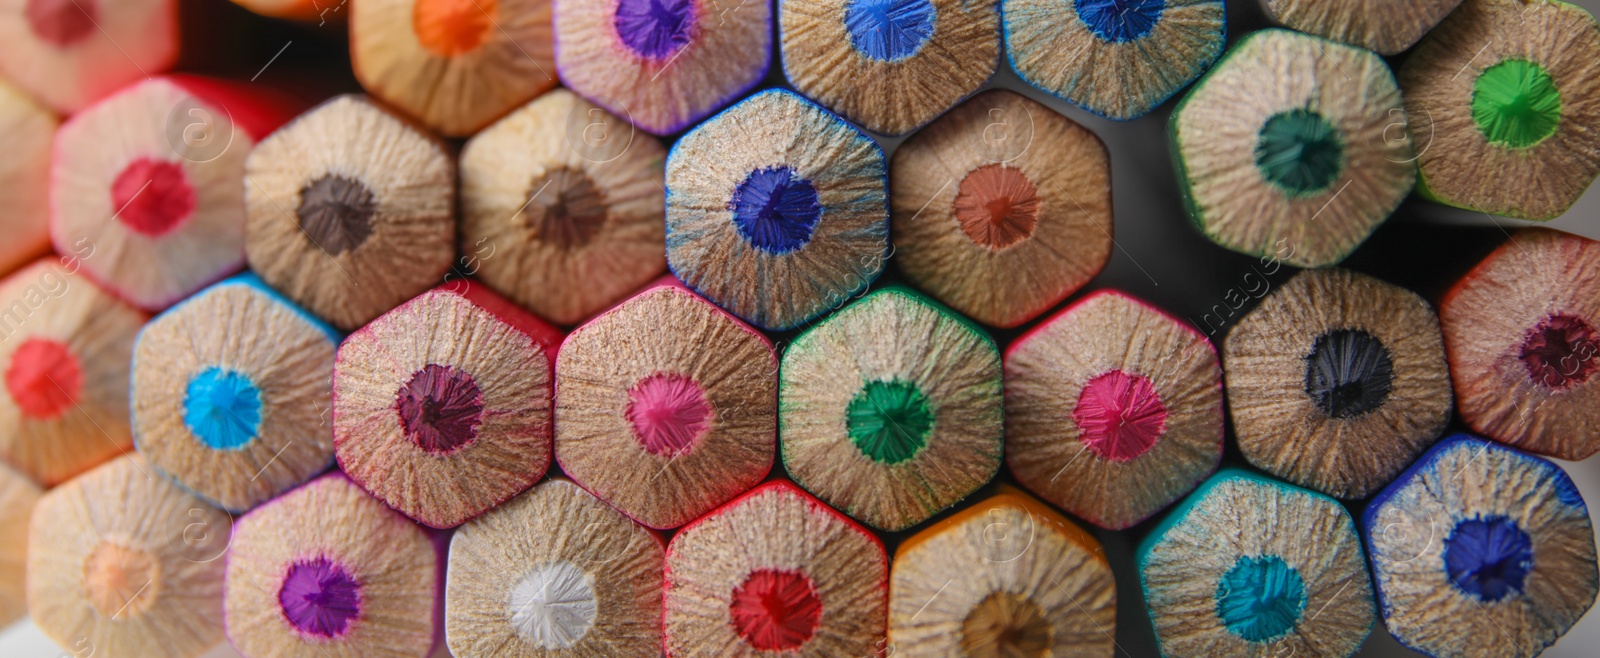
[1119,415]
[997,206]
[776,610]
[1561,351]
[440,409]
[669,413]
[152,196]
[44,379]
[61,22]
[319,597]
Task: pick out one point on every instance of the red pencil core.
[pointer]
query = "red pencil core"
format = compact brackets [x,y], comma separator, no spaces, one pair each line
[152,196]
[61,22]
[1561,351]
[997,206]
[669,413]
[776,610]
[453,27]
[44,378]
[1119,416]
[440,409]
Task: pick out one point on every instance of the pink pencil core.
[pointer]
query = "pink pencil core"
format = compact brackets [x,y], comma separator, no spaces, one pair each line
[61,22]
[1119,416]
[669,413]
[1561,351]
[152,196]
[320,598]
[440,409]
[44,378]
[776,610]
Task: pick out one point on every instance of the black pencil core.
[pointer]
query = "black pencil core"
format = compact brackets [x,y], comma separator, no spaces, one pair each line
[1348,373]
[336,212]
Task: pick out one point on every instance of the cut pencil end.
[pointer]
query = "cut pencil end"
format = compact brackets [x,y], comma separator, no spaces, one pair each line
[1385,27]
[18,495]
[26,133]
[72,53]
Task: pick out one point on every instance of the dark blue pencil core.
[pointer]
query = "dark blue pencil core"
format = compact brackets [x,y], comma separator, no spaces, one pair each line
[776,210]
[1300,152]
[1488,558]
[656,29]
[889,30]
[1261,598]
[222,408]
[1120,21]
[1348,373]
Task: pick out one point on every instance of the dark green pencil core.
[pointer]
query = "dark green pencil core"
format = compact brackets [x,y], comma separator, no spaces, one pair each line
[889,421]
[1300,152]
[1516,104]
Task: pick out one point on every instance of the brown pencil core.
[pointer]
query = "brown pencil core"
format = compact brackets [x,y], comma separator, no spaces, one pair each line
[440,409]
[452,27]
[1561,351]
[61,22]
[1004,625]
[997,206]
[336,212]
[565,208]
[121,582]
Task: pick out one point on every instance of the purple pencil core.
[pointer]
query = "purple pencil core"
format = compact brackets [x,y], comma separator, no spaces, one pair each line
[655,29]
[440,409]
[320,598]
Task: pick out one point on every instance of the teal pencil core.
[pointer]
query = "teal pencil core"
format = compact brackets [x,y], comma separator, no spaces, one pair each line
[222,408]
[1515,103]
[889,421]
[1260,598]
[1300,152]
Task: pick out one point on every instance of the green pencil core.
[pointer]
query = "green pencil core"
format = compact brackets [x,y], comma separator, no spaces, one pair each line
[889,421]
[1260,599]
[1516,104]
[1300,152]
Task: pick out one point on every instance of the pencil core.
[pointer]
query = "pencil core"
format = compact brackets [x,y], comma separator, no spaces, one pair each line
[565,207]
[44,378]
[1004,625]
[1561,351]
[336,212]
[1348,373]
[997,206]
[655,29]
[1261,598]
[1120,21]
[775,610]
[222,408]
[121,582]
[553,606]
[1516,103]
[889,30]
[1119,416]
[669,413]
[889,421]
[1300,152]
[1488,558]
[320,598]
[440,409]
[62,22]
[776,210]
[152,196]
[453,27]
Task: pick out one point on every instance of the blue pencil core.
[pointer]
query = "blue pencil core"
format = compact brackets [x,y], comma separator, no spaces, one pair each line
[1120,21]
[889,30]
[776,210]
[1261,598]
[656,29]
[1488,558]
[222,408]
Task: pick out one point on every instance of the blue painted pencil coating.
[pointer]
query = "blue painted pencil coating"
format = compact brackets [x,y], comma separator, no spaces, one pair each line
[1479,549]
[1116,58]
[776,210]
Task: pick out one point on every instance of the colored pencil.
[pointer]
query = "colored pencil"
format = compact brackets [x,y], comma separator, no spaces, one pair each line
[124,563]
[328,570]
[666,407]
[454,65]
[891,409]
[663,64]
[1135,389]
[71,53]
[441,407]
[1251,566]
[1289,148]
[230,393]
[26,132]
[778,225]
[1007,576]
[1522,332]
[373,211]
[149,179]
[1001,226]
[1506,92]
[775,572]
[1336,381]
[1116,58]
[1481,550]
[554,572]
[1385,27]
[310,11]
[889,65]
[18,495]
[64,348]
[546,202]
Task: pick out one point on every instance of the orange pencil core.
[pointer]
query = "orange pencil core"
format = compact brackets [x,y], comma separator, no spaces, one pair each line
[453,27]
